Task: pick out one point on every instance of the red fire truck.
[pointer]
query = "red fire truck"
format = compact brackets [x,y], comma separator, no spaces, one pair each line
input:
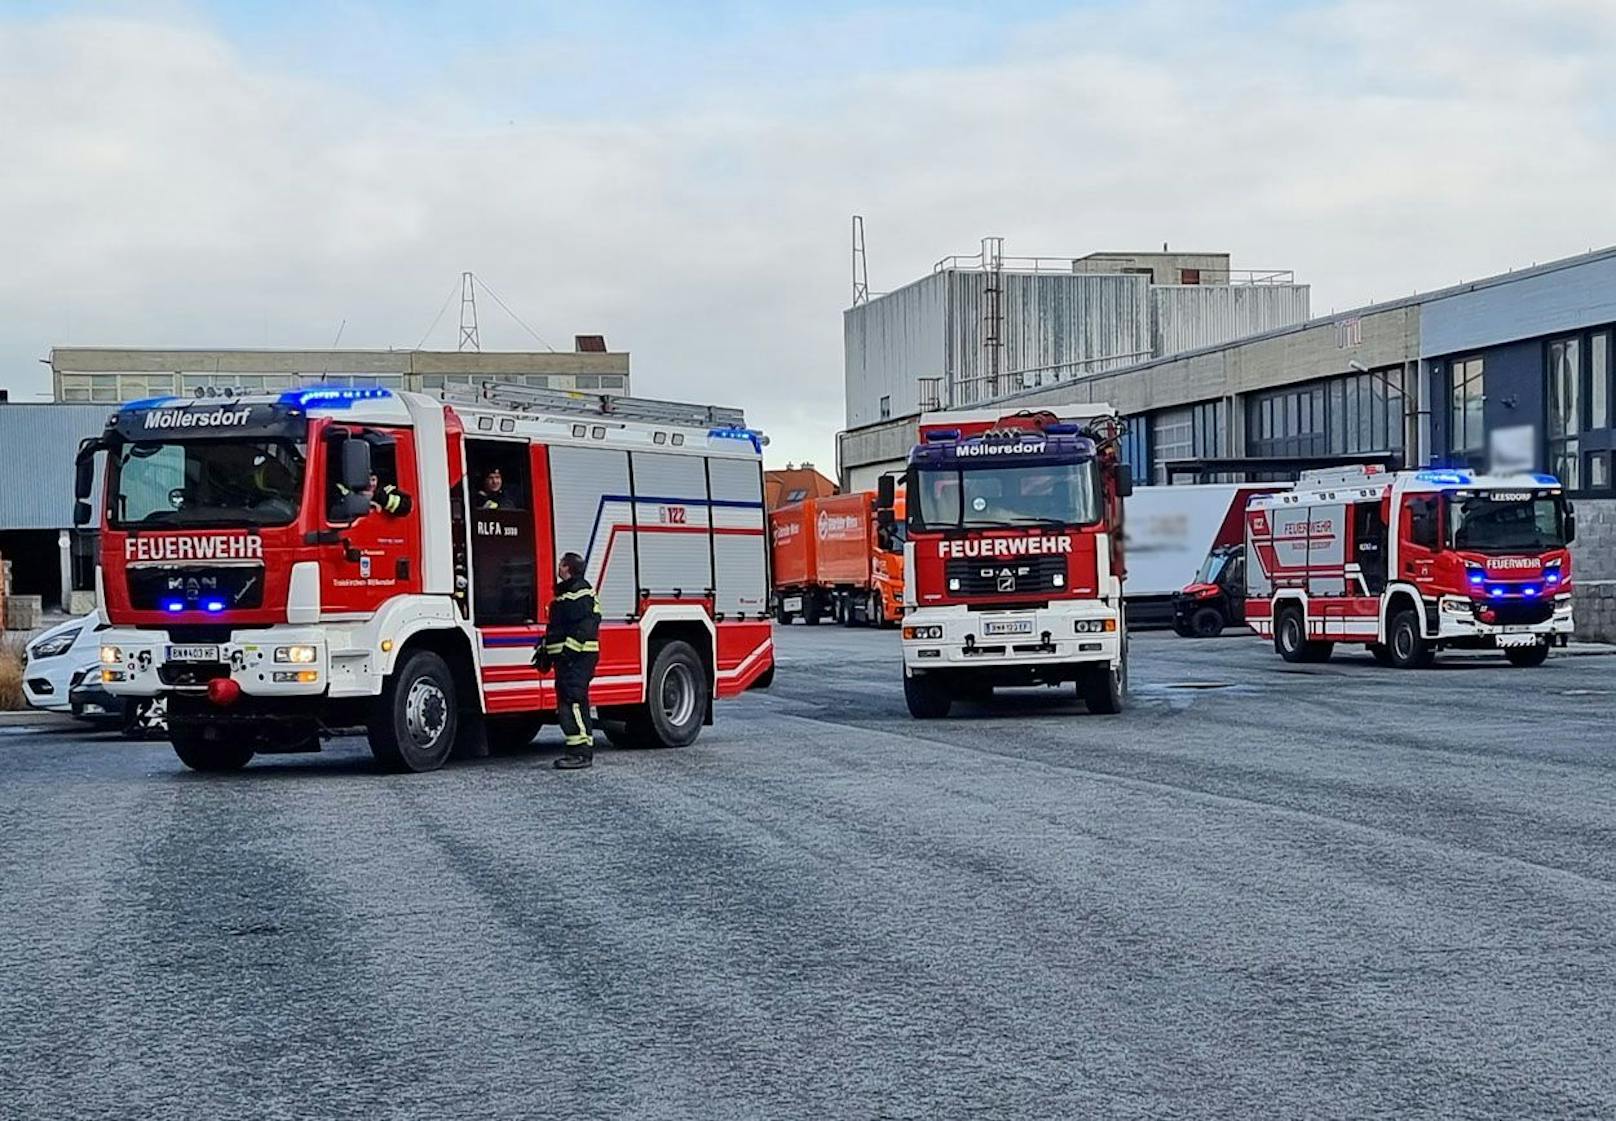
[254,578]
[1407,563]
[1013,562]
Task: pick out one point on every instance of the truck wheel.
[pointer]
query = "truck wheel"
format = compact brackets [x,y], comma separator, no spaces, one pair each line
[1207,622]
[849,611]
[415,719]
[877,614]
[211,756]
[1526,657]
[811,609]
[1408,648]
[510,734]
[1101,688]
[927,697]
[1290,635]
[678,694]
[782,616]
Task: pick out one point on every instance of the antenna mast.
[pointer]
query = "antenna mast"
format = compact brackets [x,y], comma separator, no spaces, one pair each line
[861,264]
[468,314]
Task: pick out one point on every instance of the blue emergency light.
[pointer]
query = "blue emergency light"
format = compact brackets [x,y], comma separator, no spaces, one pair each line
[332,396]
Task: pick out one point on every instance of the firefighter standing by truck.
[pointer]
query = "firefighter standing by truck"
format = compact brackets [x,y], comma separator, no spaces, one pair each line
[571,647]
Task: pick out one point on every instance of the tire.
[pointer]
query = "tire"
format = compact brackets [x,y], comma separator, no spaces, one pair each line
[1381,653]
[414,723]
[1527,657]
[509,734]
[210,756]
[877,611]
[811,609]
[782,617]
[624,734]
[849,612]
[1290,635]
[678,693]
[1101,688]
[1408,648]
[927,697]
[1207,622]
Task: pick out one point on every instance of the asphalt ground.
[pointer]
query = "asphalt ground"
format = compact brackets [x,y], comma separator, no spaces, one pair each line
[1265,891]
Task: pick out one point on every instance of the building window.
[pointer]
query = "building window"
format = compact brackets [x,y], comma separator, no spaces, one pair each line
[1598,470]
[611,381]
[1599,380]
[1349,415]
[1466,434]
[931,393]
[1172,437]
[886,408]
[1134,448]
[1565,411]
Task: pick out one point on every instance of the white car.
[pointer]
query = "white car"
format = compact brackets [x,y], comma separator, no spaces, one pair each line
[50,661]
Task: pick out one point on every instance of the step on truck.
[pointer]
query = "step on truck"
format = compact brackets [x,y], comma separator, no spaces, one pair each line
[1014,559]
[1411,562]
[280,567]
[829,562]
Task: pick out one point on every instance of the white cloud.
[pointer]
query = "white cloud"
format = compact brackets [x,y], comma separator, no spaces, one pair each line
[165,187]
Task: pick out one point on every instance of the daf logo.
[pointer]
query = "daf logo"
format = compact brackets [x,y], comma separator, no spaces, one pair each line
[1007,581]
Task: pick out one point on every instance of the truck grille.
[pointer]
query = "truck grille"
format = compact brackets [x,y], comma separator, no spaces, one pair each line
[193,586]
[1510,613]
[1004,576]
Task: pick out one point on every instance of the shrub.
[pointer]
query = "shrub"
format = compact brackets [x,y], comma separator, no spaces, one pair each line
[11,674]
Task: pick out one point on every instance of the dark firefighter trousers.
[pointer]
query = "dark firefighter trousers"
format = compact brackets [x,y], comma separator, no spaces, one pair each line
[572,676]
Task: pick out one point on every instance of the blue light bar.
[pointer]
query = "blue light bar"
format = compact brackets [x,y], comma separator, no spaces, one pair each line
[751,436]
[1496,592]
[1475,577]
[1529,590]
[1446,478]
[1551,578]
[1061,430]
[941,436]
[173,605]
[214,606]
[1546,480]
[332,396]
[147,403]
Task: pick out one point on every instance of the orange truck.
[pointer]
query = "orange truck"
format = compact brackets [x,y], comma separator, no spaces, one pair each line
[830,559]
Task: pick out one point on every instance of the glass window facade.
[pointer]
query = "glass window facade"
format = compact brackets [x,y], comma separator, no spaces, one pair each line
[1354,414]
[1196,432]
[1565,411]
[1467,435]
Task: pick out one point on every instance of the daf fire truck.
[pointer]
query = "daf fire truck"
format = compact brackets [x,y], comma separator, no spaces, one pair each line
[1407,563]
[253,577]
[1014,562]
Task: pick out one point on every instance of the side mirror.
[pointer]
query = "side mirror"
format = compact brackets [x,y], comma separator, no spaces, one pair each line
[356,465]
[1570,524]
[81,513]
[1124,480]
[84,468]
[885,494]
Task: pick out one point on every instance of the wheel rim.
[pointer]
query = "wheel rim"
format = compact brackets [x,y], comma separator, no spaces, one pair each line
[1206,625]
[1403,642]
[1290,635]
[678,695]
[426,712]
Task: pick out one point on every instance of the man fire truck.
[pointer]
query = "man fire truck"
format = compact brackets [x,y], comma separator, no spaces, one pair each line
[1410,562]
[247,579]
[1013,562]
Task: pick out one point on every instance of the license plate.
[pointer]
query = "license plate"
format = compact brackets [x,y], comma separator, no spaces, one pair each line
[193,653]
[1007,626]
[792,603]
[1517,640]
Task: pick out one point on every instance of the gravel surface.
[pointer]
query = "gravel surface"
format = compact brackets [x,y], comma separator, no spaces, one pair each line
[1265,891]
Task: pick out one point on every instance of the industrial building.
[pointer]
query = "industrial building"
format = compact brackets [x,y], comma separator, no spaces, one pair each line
[1515,369]
[979,327]
[48,558]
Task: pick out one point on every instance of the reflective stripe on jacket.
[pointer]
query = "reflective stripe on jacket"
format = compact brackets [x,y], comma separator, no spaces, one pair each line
[573,626]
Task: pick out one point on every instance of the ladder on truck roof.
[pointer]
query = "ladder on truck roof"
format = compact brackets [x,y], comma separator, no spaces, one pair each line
[528,399]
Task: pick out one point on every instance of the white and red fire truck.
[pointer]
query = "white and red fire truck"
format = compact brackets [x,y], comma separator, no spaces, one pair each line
[250,578]
[1013,564]
[1409,562]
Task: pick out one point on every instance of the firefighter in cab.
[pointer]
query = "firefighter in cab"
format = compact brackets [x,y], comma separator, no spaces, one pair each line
[492,495]
[571,647]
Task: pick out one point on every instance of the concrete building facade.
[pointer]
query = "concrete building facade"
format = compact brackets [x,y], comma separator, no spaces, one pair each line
[979,327]
[1518,369]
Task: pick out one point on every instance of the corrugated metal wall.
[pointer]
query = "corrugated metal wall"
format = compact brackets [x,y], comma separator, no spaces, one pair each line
[37,446]
[891,343]
[1186,317]
[1055,327]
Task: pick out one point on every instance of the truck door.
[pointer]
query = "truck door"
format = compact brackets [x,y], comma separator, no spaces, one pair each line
[1369,545]
[504,576]
[377,556]
[1419,536]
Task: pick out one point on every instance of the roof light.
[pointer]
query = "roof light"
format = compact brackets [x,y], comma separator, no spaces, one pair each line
[1447,478]
[332,396]
[941,436]
[1062,429]
[730,432]
[147,403]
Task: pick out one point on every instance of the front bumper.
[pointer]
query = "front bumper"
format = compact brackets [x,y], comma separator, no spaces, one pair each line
[145,665]
[1032,637]
[1456,619]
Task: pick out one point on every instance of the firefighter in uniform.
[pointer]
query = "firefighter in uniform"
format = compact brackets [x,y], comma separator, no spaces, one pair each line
[572,648]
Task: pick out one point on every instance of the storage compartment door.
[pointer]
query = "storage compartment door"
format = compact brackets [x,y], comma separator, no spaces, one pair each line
[740,549]
[673,526]
[594,517]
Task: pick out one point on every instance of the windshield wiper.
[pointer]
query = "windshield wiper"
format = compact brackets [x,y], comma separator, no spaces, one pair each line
[1034,519]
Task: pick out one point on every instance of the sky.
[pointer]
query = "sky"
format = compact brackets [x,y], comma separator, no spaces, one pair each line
[680,177]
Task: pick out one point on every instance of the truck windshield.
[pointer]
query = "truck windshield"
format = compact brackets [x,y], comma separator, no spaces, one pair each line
[1506,522]
[207,482]
[1058,494]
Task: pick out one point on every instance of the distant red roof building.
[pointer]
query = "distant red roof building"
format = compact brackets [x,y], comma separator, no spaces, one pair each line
[782,488]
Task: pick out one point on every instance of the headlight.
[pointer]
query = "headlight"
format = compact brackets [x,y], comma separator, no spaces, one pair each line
[1458,607]
[1094,626]
[57,645]
[297,655]
[923,633]
[953,584]
[111,655]
[1058,580]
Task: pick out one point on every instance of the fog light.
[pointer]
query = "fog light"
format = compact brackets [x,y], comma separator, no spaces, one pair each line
[110,675]
[297,655]
[954,584]
[1058,580]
